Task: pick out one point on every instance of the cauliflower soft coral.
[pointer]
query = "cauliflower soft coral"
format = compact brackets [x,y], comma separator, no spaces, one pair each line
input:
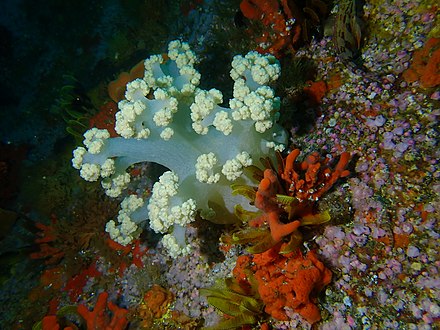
[166,119]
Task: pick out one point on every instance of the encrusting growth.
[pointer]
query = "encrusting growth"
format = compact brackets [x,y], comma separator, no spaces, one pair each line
[290,280]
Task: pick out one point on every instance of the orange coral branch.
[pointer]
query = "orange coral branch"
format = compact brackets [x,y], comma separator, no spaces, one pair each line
[278,229]
[47,235]
[318,177]
[50,322]
[75,285]
[305,181]
[264,200]
[267,189]
[99,319]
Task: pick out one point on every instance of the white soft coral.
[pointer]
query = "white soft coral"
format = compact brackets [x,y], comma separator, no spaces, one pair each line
[167,119]
[168,211]
[124,228]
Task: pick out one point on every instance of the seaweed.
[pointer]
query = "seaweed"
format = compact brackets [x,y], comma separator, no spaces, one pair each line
[243,307]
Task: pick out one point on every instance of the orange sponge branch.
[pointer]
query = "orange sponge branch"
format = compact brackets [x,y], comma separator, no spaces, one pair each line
[287,198]
[98,317]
